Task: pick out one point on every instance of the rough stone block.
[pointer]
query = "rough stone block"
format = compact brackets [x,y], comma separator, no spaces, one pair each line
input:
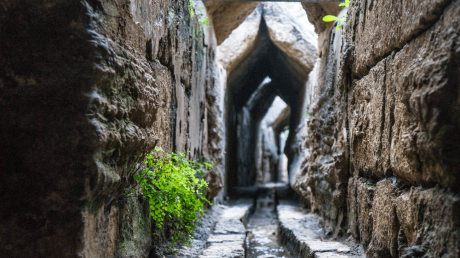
[230,226]
[330,255]
[368,126]
[318,246]
[302,234]
[352,208]
[227,16]
[385,223]
[423,80]
[404,113]
[360,199]
[226,249]
[383,26]
[229,236]
[226,238]
[429,219]
[85,87]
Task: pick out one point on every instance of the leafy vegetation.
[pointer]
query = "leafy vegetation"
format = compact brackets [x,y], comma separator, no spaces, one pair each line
[204,21]
[172,185]
[191,9]
[340,21]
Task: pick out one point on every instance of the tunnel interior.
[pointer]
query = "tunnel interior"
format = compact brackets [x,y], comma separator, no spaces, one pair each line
[264,74]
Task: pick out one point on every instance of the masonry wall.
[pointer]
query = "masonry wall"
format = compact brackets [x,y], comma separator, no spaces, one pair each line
[382,139]
[85,87]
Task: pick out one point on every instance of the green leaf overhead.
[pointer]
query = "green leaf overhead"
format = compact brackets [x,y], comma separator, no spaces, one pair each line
[330,18]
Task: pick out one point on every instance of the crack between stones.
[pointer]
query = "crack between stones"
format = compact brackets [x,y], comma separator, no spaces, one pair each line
[411,38]
[383,111]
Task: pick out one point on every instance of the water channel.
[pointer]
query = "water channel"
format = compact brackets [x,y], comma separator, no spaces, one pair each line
[262,237]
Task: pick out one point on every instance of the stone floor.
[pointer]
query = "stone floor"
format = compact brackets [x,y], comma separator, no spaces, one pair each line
[262,234]
[229,235]
[304,237]
[286,231]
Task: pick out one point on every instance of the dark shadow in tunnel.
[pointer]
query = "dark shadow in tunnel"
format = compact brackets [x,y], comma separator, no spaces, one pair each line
[249,98]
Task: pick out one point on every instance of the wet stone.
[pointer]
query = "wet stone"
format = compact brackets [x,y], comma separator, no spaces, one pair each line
[262,241]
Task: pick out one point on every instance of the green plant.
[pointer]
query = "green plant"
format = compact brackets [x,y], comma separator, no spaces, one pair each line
[340,21]
[204,21]
[173,186]
[191,9]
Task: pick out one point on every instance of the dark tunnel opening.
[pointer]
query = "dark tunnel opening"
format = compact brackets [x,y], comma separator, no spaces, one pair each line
[249,96]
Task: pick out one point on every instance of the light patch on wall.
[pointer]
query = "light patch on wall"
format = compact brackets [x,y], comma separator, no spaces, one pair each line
[296,10]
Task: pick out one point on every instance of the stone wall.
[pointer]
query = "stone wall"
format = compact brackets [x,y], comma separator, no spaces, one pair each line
[85,87]
[382,139]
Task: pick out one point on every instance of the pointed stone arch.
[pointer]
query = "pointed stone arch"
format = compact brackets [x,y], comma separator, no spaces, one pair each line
[269,43]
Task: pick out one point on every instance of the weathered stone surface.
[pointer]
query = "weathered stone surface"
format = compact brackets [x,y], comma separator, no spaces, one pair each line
[230,220]
[421,220]
[227,16]
[359,201]
[318,246]
[324,172]
[330,255]
[384,26]
[85,87]
[215,184]
[230,226]
[369,128]
[315,13]
[100,232]
[284,32]
[229,236]
[429,219]
[290,38]
[389,94]
[244,37]
[226,238]
[425,79]
[385,223]
[303,235]
[225,249]
[402,112]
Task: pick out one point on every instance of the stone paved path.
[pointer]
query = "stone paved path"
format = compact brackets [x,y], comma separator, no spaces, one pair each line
[298,232]
[303,236]
[229,235]
[262,239]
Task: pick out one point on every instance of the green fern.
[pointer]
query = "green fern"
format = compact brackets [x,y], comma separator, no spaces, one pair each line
[172,185]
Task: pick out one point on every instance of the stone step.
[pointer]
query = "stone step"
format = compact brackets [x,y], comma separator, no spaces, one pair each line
[229,236]
[262,190]
[301,233]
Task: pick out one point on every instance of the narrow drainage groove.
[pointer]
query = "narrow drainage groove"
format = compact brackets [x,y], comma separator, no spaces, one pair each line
[262,231]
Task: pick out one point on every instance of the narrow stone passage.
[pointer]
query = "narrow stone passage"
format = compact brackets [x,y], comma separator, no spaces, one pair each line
[262,237]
